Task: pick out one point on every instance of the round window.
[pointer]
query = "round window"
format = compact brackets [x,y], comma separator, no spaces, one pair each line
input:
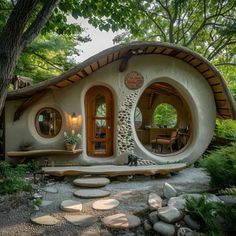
[165,116]
[48,122]
[137,118]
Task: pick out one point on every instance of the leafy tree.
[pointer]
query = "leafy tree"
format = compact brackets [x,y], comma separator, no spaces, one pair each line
[21,22]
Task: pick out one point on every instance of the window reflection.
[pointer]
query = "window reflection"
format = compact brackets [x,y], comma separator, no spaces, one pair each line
[48,122]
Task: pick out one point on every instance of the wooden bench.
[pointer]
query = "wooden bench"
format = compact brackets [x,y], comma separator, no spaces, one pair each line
[23,155]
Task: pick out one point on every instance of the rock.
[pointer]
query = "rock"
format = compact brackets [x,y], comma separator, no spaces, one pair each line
[213,198]
[36,208]
[177,202]
[191,223]
[147,225]
[154,201]
[153,217]
[164,228]
[105,204]
[71,206]
[91,182]
[228,199]
[121,221]
[184,231]
[44,220]
[50,190]
[91,193]
[169,214]
[169,191]
[36,195]
[81,220]
[46,203]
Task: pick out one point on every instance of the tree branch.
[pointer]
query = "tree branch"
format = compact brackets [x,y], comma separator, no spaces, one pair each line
[39,22]
[226,64]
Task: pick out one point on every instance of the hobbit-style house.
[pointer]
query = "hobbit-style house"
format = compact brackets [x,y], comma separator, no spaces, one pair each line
[115,100]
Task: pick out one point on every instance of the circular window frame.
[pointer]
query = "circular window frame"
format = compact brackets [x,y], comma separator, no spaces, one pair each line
[36,124]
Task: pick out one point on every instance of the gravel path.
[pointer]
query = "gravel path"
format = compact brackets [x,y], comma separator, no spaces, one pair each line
[133,194]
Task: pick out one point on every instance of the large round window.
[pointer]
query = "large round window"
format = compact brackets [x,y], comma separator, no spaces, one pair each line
[48,122]
[165,116]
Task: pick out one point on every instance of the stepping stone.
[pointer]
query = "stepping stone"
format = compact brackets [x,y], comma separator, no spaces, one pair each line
[71,206]
[91,193]
[121,221]
[44,220]
[105,204]
[46,203]
[50,190]
[91,182]
[81,220]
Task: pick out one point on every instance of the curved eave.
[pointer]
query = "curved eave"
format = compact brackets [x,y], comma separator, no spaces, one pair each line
[225,104]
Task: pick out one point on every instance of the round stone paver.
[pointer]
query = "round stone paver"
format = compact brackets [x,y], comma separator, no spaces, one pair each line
[81,220]
[105,204]
[44,220]
[91,193]
[91,182]
[71,205]
[121,221]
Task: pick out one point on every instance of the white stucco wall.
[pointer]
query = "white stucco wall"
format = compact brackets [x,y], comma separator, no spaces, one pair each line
[154,68]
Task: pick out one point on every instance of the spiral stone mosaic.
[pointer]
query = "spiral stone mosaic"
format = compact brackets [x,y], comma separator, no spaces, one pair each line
[125,135]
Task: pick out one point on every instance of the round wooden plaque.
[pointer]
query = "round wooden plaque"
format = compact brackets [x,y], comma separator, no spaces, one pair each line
[134,80]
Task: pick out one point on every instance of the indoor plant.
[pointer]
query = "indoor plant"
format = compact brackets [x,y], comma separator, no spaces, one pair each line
[71,140]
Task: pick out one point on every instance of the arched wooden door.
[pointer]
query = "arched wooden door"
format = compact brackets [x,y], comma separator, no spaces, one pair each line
[99,121]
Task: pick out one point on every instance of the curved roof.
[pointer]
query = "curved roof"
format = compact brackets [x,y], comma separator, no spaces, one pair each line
[225,104]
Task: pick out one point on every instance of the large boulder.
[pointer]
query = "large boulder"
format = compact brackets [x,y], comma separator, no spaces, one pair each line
[169,214]
[164,228]
[169,191]
[154,201]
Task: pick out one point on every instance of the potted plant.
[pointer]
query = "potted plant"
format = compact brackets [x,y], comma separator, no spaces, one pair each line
[71,140]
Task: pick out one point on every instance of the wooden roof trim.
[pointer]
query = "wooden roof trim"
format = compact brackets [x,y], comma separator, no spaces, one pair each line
[120,50]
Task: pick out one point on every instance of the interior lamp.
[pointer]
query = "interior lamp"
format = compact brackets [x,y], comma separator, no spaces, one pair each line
[73,116]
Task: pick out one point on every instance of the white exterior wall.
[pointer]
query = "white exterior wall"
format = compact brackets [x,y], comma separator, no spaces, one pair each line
[154,68]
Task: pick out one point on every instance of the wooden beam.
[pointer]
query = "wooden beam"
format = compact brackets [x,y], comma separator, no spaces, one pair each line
[29,102]
[124,62]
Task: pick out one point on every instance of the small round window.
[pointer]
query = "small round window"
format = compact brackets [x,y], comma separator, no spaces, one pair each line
[165,116]
[137,118]
[48,122]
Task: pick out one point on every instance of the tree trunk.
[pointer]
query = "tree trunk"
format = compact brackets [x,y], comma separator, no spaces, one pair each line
[17,34]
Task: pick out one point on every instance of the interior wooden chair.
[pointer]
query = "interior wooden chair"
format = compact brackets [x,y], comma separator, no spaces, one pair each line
[168,141]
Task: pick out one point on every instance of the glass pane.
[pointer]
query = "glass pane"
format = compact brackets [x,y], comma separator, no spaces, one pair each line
[48,122]
[137,118]
[100,128]
[100,108]
[100,147]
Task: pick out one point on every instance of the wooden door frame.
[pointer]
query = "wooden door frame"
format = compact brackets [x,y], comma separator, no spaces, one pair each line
[108,93]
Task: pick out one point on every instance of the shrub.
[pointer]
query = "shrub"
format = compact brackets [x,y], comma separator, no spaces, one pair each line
[214,217]
[12,179]
[226,129]
[221,165]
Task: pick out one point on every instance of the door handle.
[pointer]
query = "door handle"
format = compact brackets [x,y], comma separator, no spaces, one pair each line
[109,127]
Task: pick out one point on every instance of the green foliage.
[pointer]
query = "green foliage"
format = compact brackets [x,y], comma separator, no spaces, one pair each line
[12,179]
[203,212]
[211,215]
[72,138]
[32,166]
[226,129]
[221,165]
[165,115]
[38,202]
[229,191]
